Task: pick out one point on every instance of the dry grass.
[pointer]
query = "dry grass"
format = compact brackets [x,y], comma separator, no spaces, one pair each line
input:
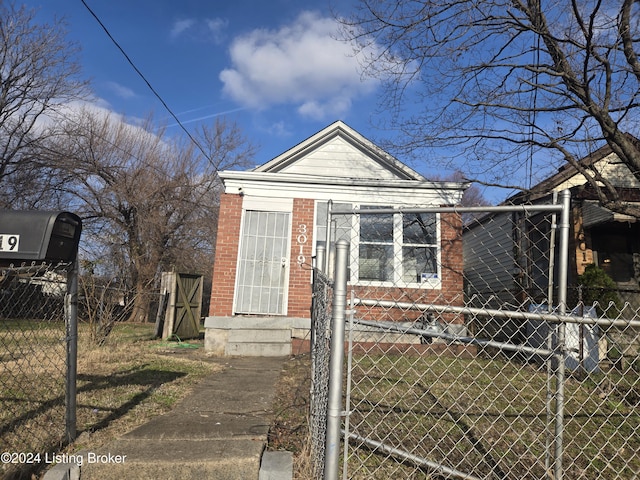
[119,387]
[130,381]
[484,415]
[289,430]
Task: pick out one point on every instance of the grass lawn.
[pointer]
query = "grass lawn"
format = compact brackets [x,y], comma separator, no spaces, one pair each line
[485,417]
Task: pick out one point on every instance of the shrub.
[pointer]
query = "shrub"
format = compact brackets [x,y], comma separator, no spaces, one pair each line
[598,288]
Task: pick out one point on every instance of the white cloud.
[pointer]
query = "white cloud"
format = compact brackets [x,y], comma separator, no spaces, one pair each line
[301,64]
[331,108]
[278,129]
[120,90]
[208,29]
[216,28]
[180,26]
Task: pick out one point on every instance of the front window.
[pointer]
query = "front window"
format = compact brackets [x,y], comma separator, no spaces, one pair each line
[398,248]
[376,247]
[419,247]
[390,248]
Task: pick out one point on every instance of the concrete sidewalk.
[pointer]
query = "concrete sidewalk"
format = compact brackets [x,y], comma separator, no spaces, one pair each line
[218,431]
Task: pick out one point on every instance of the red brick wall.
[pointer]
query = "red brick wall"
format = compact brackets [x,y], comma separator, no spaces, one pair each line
[224,267]
[299,292]
[300,261]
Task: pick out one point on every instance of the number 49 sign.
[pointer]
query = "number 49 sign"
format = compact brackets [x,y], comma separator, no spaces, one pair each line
[9,242]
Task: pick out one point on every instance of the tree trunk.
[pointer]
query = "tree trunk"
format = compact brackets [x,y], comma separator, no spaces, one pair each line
[140,305]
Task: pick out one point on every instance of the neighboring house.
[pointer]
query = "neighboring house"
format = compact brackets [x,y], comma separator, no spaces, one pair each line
[273,217]
[517,274]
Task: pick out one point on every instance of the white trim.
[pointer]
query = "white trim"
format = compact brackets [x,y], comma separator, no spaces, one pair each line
[267,204]
[397,282]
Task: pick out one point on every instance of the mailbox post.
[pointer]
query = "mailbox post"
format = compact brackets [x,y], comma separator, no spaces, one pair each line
[49,237]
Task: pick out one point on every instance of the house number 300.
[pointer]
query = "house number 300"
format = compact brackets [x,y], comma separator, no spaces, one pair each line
[301,240]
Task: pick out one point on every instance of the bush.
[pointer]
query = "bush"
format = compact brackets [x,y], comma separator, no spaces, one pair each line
[598,288]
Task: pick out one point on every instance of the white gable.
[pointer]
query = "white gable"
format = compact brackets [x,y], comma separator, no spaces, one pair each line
[338,158]
[340,151]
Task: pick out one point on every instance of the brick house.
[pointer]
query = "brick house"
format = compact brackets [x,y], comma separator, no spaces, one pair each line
[273,216]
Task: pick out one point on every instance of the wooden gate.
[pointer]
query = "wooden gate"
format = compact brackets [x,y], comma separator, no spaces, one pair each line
[183,300]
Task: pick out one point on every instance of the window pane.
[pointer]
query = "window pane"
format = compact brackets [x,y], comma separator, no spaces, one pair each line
[376,228]
[341,228]
[376,262]
[419,228]
[419,264]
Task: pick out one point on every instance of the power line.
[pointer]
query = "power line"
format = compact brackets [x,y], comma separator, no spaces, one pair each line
[141,75]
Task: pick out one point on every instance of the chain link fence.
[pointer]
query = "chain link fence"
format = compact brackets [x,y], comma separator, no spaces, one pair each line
[34,337]
[320,352]
[465,359]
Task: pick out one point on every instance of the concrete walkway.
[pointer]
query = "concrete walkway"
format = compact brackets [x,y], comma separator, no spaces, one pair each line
[218,431]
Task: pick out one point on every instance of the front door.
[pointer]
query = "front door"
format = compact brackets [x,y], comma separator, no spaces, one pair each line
[263,263]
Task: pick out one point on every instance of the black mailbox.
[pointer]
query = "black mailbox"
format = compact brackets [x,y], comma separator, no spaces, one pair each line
[39,236]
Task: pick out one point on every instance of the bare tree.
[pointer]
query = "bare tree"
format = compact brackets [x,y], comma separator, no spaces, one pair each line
[513,88]
[148,202]
[38,73]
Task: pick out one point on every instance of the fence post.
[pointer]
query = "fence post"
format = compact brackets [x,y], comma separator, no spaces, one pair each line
[320,253]
[563,267]
[336,361]
[327,244]
[71,321]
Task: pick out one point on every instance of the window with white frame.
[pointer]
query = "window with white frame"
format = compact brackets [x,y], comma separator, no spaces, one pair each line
[399,248]
[376,246]
[389,248]
[420,247]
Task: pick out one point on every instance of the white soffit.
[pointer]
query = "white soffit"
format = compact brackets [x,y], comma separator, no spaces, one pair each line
[395,192]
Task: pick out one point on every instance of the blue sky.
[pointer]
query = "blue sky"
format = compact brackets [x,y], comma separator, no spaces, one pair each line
[273,67]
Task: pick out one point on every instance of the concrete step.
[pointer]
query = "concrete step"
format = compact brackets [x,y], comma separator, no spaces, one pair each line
[257,342]
[247,335]
[218,431]
[276,466]
[222,459]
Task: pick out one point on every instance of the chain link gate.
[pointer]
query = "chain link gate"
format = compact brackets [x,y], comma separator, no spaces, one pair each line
[464,360]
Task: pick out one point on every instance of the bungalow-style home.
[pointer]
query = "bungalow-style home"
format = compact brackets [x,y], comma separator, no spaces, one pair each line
[273,216]
[518,271]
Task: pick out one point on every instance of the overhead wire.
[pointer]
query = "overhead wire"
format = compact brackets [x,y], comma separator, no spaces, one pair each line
[147,82]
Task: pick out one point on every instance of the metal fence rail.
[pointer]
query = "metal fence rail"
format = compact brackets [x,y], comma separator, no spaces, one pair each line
[37,366]
[465,360]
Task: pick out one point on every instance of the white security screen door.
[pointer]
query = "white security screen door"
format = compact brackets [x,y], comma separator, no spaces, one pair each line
[263,263]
